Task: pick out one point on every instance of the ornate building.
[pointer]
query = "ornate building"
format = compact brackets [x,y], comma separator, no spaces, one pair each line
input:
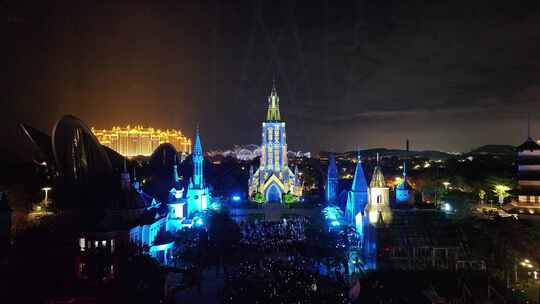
[134,141]
[332,180]
[198,194]
[274,180]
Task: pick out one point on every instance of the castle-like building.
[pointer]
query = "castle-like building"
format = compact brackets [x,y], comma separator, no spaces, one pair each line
[274,180]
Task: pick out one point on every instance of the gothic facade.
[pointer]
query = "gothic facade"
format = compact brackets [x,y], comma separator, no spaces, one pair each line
[274,181]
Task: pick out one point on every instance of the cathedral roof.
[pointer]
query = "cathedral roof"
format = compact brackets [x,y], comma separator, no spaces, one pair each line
[359,182]
[377,180]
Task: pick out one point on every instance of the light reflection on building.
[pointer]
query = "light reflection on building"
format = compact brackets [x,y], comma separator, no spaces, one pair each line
[133,141]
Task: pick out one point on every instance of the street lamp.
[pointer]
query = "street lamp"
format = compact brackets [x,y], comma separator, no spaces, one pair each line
[46,189]
[446,184]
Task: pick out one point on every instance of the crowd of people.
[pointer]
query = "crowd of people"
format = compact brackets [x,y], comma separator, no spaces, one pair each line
[281,280]
[270,237]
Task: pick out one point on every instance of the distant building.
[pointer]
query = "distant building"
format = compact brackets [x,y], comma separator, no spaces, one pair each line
[274,179]
[332,180]
[526,198]
[135,141]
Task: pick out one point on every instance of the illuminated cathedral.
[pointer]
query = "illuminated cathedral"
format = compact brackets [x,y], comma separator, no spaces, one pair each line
[274,181]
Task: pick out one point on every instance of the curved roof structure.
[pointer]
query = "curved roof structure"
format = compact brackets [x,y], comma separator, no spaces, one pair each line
[85,169]
[76,150]
[40,140]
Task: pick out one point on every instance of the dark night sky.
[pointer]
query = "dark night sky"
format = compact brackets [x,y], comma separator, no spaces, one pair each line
[450,75]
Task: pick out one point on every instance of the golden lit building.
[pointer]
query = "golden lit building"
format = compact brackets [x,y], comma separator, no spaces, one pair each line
[133,141]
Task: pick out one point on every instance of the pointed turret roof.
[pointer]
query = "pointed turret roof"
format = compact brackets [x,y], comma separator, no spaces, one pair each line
[359,182]
[198,147]
[273,106]
[404,185]
[377,180]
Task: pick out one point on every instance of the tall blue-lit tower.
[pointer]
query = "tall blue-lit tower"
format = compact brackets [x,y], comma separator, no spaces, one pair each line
[332,180]
[198,159]
[274,178]
[198,194]
[357,197]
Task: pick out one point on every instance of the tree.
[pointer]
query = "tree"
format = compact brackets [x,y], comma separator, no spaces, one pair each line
[481,195]
[499,186]
[501,191]
[289,198]
[258,197]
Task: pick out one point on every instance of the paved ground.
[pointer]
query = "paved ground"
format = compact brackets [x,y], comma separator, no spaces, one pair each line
[208,293]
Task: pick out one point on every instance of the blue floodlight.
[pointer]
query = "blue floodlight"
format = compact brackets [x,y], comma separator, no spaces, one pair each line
[335,223]
[236,198]
[447,207]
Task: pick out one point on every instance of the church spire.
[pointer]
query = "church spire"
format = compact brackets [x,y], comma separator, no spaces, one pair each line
[377,180]
[273,105]
[124,177]
[404,170]
[198,158]
[359,181]
[198,147]
[175,171]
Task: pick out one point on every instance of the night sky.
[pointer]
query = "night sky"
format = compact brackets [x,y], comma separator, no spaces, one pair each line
[448,75]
